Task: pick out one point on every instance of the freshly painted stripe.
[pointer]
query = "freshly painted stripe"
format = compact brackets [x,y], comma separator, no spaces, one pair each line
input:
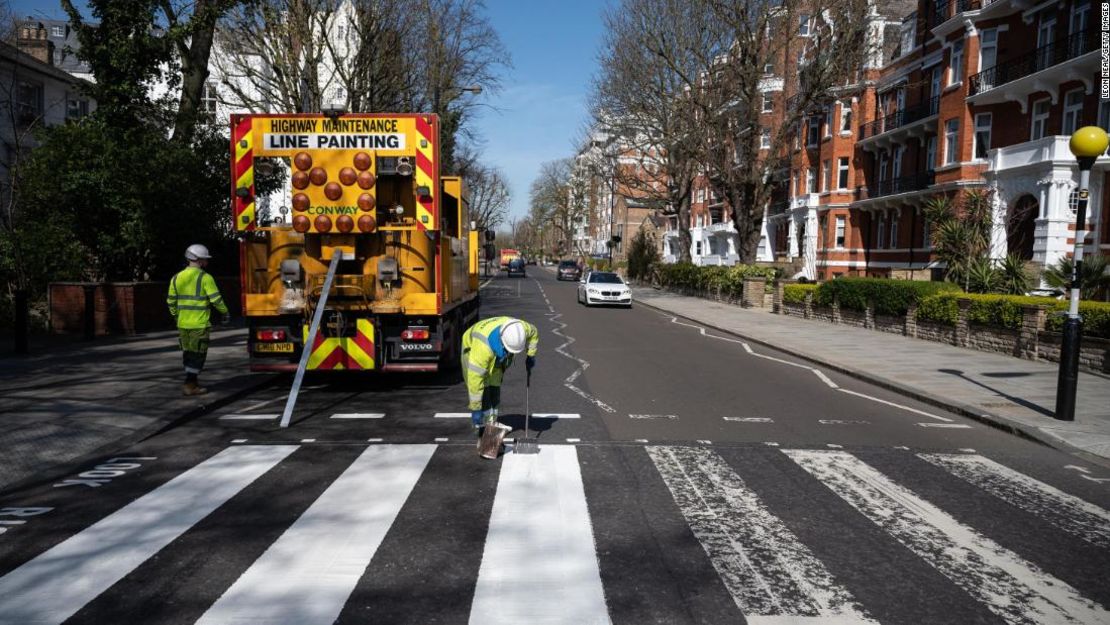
[373,440]
[1014,589]
[56,584]
[239,440]
[250,417]
[749,419]
[358,415]
[771,575]
[308,440]
[452,415]
[1070,514]
[654,416]
[556,415]
[574,440]
[890,403]
[441,439]
[841,422]
[539,563]
[951,426]
[306,576]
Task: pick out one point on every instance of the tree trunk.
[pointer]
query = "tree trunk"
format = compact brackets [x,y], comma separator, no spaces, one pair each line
[194,68]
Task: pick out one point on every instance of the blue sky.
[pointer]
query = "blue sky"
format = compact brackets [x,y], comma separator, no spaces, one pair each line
[539,113]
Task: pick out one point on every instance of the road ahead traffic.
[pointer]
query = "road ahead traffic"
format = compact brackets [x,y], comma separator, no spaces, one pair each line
[685,476]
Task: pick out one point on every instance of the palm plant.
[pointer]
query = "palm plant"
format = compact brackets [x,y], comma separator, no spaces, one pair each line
[1014,276]
[982,276]
[1095,279]
[962,232]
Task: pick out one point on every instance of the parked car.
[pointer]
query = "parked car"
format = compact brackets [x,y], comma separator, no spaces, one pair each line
[604,287]
[531,260]
[516,267]
[568,270]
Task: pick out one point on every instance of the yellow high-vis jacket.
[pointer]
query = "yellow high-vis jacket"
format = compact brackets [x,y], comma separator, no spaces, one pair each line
[483,365]
[191,293]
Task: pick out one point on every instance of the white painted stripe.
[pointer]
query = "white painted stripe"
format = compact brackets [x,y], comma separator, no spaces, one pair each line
[825,378]
[749,419]
[249,417]
[308,440]
[1015,590]
[654,416]
[539,564]
[705,442]
[556,415]
[833,446]
[452,415]
[772,576]
[56,584]
[890,403]
[358,415]
[574,440]
[951,426]
[239,440]
[841,422]
[1070,514]
[441,440]
[373,440]
[307,575]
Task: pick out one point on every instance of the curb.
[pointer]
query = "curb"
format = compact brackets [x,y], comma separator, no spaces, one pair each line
[995,421]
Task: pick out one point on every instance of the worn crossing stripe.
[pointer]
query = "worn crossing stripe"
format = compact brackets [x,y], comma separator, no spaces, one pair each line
[539,563]
[55,585]
[1014,589]
[306,576]
[771,575]
[1070,514]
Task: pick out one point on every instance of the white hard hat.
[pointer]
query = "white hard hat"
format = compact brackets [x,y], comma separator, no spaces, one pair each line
[512,337]
[197,251]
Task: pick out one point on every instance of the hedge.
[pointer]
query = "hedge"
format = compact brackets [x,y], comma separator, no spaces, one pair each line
[730,280]
[796,293]
[890,297]
[1006,311]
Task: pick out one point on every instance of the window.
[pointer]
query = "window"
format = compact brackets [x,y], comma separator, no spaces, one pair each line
[697,248]
[897,172]
[208,98]
[931,153]
[884,162]
[827,121]
[1039,127]
[880,233]
[765,138]
[842,173]
[894,231]
[803,25]
[57,31]
[76,108]
[925,234]
[1080,16]
[811,180]
[813,132]
[840,232]
[982,135]
[768,68]
[1073,111]
[28,101]
[956,63]
[768,103]
[826,171]
[1073,201]
[951,135]
[1046,36]
[988,48]
[845,117]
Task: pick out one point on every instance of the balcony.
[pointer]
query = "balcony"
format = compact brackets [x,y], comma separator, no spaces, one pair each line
[779,207]
[946,10]
[897,119]
[1045,152]
[1025,68]
[897,186]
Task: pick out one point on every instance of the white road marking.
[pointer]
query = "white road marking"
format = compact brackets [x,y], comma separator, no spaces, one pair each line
[539,563]
[1077,468]
[574,440]
[770,444]
[966,450]
[772,576]
[890,403]
[670,417]
[373,440]
[56,584]
[705,442]
[249,417]
[556,415]
[951,426]
[569,382]
[832,446]
[307,575]
[239,440]
[308,440]
[452,415]
[358,415]
[641,440]
[1071,514]
[441,440]
[902,447]
[841,422]
[1015,590]
[749,419]
[825,378]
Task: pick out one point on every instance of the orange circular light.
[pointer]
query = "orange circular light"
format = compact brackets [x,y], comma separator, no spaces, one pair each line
[301,202]
[333,191]
[322,223]
[303,161]
[363,161]
[366,202]
[344,223]
[347,176]
[367,223]
[300,180]
[366,180]
[300,223]
[318,176]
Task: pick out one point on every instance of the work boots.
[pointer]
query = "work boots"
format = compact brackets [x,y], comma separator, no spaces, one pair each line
[192,388]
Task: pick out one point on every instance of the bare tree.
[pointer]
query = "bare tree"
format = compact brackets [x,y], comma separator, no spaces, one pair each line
[489,196]
[555,201]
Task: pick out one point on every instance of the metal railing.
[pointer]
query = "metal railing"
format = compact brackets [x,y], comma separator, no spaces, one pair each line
[897,119]
[905,184]
[778,208]
[1042,58]
[945,10]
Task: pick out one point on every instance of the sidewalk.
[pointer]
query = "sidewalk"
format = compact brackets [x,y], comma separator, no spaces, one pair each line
[1017,395]
[72,398]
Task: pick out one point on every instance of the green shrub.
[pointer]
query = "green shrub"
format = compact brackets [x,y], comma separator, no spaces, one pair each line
[1005,311]
[1096,318]
[730,280]
[796,293]
[890,297]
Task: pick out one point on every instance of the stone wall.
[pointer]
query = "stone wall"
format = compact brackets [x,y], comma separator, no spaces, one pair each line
[121,307]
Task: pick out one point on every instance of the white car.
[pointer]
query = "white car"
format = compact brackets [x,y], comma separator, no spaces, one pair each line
[603,287]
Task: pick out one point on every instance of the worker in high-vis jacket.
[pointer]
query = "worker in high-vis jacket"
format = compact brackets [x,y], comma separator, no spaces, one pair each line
[192,295]
[488,350]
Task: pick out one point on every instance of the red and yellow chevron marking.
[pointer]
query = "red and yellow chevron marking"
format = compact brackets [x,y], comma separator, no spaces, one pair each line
[242,174]
[426,218]
[355,353]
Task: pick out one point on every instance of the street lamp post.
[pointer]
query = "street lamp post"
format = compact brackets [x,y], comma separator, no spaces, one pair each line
[1087,144]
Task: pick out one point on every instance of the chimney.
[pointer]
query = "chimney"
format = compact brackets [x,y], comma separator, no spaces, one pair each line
[33,41]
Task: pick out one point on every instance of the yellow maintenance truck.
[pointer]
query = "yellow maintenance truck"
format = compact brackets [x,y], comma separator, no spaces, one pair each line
[365,191]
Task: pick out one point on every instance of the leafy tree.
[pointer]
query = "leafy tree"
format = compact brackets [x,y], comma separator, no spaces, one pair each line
[642,256]
[1095,279]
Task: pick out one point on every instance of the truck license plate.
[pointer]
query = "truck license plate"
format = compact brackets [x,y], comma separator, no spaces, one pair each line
[285,348]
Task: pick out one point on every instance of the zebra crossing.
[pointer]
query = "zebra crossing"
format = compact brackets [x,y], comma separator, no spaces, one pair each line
[423,533]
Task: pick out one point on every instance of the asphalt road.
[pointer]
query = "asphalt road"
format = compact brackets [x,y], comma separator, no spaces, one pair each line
[687,478]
